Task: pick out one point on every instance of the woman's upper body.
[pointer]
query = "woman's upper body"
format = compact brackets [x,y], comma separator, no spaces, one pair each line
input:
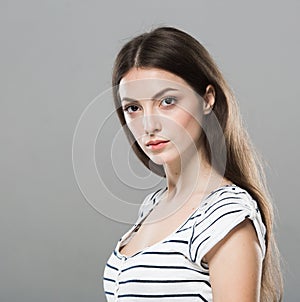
[183,123]
[184,265]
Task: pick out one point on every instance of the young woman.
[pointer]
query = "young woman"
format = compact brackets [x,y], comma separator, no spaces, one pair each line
[206,236]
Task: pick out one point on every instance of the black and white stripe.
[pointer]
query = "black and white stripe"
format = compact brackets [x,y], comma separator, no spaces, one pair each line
[173,270]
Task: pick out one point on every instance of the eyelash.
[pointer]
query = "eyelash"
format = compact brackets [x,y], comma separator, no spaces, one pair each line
[174,100]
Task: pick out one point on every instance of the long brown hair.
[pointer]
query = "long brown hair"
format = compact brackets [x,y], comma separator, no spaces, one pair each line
[175,51]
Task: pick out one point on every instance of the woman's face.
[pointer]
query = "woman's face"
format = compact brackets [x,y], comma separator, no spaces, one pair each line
[163,113]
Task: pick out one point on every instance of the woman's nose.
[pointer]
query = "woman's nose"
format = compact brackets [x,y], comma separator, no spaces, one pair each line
[151,123]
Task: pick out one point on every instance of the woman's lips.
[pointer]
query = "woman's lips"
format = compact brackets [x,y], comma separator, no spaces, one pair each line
[156,144]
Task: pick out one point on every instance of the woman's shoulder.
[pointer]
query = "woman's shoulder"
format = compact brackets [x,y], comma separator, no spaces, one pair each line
[223,210]
[231,194]
[150,201]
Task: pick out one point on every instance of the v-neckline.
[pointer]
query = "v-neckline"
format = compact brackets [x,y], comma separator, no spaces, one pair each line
[140,221]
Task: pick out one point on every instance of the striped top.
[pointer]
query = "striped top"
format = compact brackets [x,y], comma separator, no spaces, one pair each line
[173,269]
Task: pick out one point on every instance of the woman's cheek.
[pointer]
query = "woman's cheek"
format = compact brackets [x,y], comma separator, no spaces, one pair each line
[135,128]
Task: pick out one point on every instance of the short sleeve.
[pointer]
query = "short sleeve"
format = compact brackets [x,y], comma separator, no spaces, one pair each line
[219,216]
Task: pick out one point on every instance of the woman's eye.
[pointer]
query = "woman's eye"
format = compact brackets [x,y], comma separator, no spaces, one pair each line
[131,108]
[168,101]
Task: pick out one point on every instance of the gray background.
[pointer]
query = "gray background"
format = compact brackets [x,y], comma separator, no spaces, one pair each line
[56,57]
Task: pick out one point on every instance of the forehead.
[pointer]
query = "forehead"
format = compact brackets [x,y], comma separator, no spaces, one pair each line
[141,83]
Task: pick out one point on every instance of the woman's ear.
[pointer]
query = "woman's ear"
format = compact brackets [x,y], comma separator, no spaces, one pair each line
[209,99]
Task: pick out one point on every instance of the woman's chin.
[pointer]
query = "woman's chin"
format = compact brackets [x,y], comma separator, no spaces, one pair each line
[158,161]
[163,159]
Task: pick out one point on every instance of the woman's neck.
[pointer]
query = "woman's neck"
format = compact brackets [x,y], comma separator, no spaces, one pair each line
[191,175]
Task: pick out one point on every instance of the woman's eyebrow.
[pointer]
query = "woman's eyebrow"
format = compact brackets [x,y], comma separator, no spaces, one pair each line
[156,96]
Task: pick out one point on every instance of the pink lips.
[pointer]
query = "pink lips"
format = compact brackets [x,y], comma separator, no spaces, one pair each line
[156,144]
